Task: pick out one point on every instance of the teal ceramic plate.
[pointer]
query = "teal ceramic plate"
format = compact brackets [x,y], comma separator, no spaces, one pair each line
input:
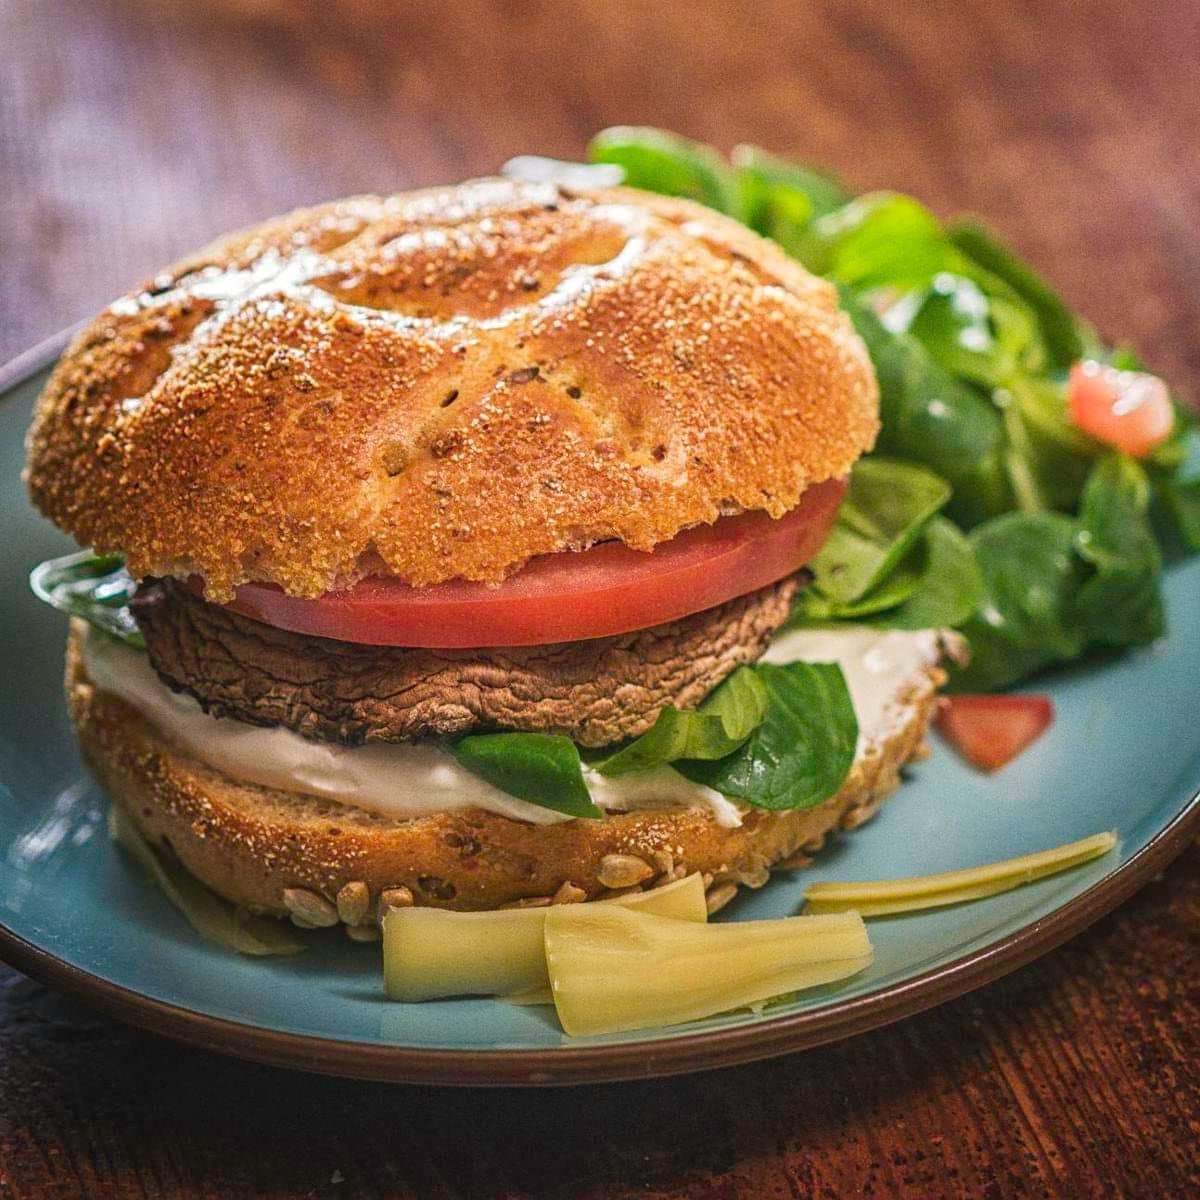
[1124,754]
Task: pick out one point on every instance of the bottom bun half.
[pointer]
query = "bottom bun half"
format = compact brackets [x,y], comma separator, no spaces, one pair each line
[250,843]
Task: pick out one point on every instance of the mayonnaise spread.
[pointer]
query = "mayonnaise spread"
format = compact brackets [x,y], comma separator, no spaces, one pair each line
[417,779]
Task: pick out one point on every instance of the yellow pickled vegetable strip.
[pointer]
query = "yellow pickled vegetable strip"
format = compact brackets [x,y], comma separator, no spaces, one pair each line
[614,969]
[881,897]
[432,952]
[537,996]
[208,914]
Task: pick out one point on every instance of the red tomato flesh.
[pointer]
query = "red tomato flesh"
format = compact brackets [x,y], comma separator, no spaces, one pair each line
[566,597]
[1130,410]
[990,731]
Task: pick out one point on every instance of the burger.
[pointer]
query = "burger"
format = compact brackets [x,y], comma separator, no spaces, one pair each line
[460,528]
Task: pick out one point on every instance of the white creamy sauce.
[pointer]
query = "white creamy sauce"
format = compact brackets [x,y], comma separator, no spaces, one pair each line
[878,665]
[400,781]
[417,779]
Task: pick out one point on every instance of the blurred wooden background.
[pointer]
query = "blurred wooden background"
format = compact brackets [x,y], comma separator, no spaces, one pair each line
[133,130]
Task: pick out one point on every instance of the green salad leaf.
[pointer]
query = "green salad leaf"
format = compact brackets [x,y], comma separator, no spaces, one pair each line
[1121,603]
[780,198]
[1028,617]
[937,585]
[717,728]
[665,162]
[776,737]
[883,239]
[885,508]
[543,768]
[950,586]
[95,587]
[813,607]
[1057,456]
[1182,499]
[930,417]
[1060,331]
[801,753]
[965,333]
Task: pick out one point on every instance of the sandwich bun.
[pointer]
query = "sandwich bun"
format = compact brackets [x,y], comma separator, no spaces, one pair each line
[445,383]
[251,843]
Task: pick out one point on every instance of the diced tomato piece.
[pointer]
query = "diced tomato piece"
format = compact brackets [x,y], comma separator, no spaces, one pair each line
[990,731]
[1130,410]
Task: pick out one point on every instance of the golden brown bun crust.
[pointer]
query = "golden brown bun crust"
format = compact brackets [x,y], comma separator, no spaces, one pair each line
[445,383]
[249,843]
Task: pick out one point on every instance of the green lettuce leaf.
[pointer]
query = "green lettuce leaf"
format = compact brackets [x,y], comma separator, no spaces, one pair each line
[937,586]
[931,418]
[814,608]
[885,509]
[543,768]
[665,162]
[986,340]
[92,586]
[880,240]
[780,199]
[1182,499]
[950,588]
[1056,454]
[1061,333]
[1121,604]
[801,753]
[717,728]
[951,318]
[1028,618]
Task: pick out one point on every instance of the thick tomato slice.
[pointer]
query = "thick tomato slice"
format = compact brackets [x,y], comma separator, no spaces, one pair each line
[1130,410]
[990,731]
[566,597]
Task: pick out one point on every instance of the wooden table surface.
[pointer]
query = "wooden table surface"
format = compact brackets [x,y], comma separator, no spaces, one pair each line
[132,131]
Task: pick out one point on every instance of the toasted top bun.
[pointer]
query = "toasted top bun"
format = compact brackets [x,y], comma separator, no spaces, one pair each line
[444,383]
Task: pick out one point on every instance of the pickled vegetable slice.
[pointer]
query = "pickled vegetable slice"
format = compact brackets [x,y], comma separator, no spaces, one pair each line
[432,952]
[614,969]
[209,915]
[878,898]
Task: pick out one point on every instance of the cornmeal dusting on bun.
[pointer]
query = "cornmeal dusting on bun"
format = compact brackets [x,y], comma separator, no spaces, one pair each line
[445,383]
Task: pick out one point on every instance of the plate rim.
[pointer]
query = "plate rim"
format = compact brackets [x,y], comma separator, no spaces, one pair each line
[641,1059]
[607,1063]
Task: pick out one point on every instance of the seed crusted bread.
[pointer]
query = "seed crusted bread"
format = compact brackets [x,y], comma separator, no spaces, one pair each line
[280,852]
[445,383]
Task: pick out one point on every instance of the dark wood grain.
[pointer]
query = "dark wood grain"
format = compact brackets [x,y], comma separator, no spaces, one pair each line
[130,132]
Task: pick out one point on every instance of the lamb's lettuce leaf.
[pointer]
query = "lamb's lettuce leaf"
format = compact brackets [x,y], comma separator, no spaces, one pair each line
[1029,615]
[780,199]
[95,587]
[543,768]
[803,750]
[717,728]
[880,240]
[775,737]
[931,418]
[937,586]
[1182,499]
[886,507]
[1061,333]
[949,590]
[659,161]
[813,607]
[1120,604]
